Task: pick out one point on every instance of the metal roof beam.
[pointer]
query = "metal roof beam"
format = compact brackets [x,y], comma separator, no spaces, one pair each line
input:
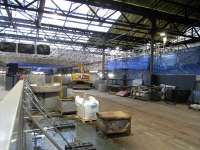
[86,17]
[29,24]
[185,6]
[8,13]
[190,41]
[18,3]
[32,38]
[134,9]
[30,3]
[40,12]
[51,39]
[95,34]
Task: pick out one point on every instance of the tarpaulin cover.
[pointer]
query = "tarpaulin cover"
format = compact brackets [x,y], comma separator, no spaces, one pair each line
[46,68]
[136,63]
[185,61]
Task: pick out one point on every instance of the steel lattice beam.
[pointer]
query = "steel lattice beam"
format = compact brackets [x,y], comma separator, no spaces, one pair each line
[78,16]
[94,36]
[30,24]
[40,12]
[133,9]
[8,12]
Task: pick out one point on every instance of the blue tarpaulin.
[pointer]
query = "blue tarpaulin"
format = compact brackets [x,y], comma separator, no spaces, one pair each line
[185,61]
[137,63]
[46,68]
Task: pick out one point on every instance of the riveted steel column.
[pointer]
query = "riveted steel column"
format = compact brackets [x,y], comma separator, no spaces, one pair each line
[103,63]
[152,36]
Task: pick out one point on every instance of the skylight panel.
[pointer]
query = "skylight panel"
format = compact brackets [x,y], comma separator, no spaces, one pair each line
[24,15]
[77,20]
[10,40]
[9,32]
[95,23]
[98,28]
[62,4]
[26,2]
[102,12]
[83,41]
[25,30]
[76,25]
[116,15]
[4,13]
[54,16]
[106,24]
[82,9]
[16,14]
[52,21]
[49,4]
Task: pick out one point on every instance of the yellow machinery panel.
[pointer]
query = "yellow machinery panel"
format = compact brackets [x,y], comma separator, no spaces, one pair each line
[81,77]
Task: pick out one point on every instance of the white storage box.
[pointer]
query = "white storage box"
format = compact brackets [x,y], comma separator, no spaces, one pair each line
[87,107]
[78,103]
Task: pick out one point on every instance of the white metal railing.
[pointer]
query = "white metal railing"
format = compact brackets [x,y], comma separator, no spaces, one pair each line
[10,124]
[14,112]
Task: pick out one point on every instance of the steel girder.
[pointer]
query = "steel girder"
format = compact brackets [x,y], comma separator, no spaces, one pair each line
[95,36]
[40,12]
[134,9]
[129,25]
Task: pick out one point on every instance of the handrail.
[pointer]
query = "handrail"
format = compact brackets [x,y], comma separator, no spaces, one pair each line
[35,101]
[10,124]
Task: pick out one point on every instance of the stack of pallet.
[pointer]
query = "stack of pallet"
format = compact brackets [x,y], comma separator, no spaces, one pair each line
[67,106]
[114,123]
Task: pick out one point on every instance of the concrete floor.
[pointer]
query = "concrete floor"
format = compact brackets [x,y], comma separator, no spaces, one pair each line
[155,125]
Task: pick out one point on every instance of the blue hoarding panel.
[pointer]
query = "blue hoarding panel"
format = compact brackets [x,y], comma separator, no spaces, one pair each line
[185,61]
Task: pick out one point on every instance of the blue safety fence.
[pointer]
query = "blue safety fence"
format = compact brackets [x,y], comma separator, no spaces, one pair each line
[185,61]
[45,68]
[136,63]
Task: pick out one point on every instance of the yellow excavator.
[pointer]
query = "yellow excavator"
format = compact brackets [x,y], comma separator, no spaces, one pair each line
[81,80]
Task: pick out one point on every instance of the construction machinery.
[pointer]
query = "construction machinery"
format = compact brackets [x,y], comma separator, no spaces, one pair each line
[81,80]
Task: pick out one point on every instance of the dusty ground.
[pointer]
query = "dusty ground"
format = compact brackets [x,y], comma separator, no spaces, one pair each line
[155,125]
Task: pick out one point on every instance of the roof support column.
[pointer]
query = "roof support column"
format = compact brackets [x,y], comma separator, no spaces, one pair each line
[152,42]
[35,47]
[36,40]
[103,63]
[16,48]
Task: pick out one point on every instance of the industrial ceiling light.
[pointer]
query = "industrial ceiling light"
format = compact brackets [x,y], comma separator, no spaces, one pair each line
[93,71]
[69,75]
[111,75]
[162,34]
[100,74]
[37,72]
[164,40]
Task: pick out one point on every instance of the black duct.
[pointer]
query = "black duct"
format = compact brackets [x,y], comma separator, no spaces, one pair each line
[24,48]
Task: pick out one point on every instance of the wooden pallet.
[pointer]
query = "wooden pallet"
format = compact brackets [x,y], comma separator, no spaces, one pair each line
[90,121]
[68,112]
